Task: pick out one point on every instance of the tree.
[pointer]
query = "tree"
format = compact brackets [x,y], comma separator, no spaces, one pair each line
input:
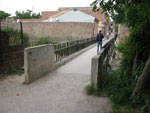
[3,15]
[135,14]
[143,79]
[27,15]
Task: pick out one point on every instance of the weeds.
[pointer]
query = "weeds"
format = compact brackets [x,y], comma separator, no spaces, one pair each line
[41,41]
[11,70]
[88,89]
[14,71]
[15,38]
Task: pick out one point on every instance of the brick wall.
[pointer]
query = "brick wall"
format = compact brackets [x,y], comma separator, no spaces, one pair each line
[58,31]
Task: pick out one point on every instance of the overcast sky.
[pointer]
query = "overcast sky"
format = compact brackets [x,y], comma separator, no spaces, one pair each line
[11,6]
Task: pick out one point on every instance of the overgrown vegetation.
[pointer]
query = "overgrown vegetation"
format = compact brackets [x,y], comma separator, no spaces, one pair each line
[129,87]
[15,38]
[10,70]
[119,88]
[14,71]
[41,41]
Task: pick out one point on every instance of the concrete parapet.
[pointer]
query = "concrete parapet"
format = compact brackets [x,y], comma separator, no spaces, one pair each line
[94,71]
[97,69]
[38,61]
[100,64]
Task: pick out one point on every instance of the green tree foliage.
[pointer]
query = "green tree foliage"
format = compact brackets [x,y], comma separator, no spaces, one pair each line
[3,15]
[135,14]
[27,15]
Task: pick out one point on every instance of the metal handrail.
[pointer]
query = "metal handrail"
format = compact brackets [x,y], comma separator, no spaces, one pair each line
[65,49]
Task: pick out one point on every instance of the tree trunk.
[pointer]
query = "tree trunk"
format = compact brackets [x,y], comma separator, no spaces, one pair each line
[143,79]
[134,67]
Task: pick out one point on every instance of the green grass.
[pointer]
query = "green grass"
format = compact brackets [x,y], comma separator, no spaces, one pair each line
[11,70]
[88,90]
[42,41]
[14,71]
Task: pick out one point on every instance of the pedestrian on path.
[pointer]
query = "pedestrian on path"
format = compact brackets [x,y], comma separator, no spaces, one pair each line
[99,38]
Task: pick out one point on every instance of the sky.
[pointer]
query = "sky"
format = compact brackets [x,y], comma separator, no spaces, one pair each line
[11,6]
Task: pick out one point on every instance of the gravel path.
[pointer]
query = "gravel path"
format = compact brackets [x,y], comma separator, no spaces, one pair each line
[61,91]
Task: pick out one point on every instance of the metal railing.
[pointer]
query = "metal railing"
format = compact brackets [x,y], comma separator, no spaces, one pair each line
[63,50]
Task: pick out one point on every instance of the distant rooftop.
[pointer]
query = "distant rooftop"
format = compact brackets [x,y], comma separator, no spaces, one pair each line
[78,8]
[47,14]
[58,13]
[98,15]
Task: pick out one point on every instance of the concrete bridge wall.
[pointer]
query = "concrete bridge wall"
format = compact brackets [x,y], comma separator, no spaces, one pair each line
[38,61]
[101,64]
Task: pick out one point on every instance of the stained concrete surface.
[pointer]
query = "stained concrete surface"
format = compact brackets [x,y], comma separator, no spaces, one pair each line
[61,91]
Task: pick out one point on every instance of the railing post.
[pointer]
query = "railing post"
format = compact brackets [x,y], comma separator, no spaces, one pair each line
[77,45]
[21,34]
[67,49]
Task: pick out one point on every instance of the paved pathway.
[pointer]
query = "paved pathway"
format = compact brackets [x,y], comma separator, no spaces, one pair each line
[61,91]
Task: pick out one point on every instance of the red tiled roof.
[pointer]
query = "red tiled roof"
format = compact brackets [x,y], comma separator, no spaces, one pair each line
[30,20]
[59,13]
[47,14]
[98,15]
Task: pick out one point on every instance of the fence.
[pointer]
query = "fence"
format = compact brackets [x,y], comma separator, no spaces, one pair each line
[101,64]
[13,56]
[11,47]
[63,50]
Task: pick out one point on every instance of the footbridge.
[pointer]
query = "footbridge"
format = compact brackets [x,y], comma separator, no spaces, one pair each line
[62,89]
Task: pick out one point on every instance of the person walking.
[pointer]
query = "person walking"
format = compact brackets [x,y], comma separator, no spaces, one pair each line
[99,38]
